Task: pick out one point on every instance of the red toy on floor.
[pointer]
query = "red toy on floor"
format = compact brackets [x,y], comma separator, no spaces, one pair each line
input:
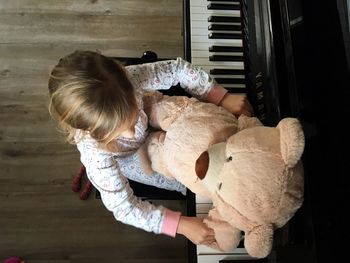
[77,184]
[14,260]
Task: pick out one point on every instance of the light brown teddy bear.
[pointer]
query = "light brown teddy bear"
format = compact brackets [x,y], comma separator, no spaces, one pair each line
[252,173]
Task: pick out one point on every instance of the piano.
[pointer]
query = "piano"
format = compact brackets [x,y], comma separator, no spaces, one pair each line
[286,56]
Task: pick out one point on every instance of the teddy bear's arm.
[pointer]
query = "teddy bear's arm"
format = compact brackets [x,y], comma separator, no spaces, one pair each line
[163,110]
[151,155]
[245,122]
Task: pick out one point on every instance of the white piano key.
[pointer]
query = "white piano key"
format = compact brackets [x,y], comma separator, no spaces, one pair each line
[202,30]
[206,62]
[202,199]
[199,24]
[206,53]
[199,31]
[202,250]
[205,31]
[203,208]
[204,24]
[206,39]
[206,45]
[217,258]
[204,2]
[208,12]
[204,17]
[231,86]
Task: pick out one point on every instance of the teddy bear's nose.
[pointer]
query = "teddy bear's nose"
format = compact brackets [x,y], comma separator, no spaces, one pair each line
[229,159]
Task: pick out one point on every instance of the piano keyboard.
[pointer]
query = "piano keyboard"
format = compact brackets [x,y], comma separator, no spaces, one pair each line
[216,41]
[217,44]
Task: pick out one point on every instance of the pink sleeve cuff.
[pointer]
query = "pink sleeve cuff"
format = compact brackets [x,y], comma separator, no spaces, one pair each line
[170,223]
[216,94]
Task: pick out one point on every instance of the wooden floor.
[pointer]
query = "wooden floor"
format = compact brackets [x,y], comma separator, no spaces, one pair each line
[41,219]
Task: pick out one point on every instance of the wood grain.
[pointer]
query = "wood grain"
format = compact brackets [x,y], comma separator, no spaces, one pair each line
[42,220]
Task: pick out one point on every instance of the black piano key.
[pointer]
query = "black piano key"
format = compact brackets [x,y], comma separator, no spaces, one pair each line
[241,243]
[225,36]
[217,71]
[229,81]
[225,49]
[225,58]
[212,6]
[225,27]
[236,90]
[228,19]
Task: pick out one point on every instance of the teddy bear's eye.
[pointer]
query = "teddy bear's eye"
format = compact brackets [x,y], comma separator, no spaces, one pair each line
[229,159]
[219,185]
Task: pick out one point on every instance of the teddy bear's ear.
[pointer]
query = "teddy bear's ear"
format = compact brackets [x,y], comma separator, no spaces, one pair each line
[292,140]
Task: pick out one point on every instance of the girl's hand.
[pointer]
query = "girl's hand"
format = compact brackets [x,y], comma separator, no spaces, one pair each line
[237,104]
[195,230]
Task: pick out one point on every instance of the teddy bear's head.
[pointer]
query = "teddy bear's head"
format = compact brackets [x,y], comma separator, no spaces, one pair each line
[256,179]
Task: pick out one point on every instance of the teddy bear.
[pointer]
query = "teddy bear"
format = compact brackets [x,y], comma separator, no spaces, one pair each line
[252,173]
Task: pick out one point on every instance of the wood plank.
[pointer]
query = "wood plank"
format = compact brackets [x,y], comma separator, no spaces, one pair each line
[24,94]
[39,156]
[42,220]
[31,131]
[36,61]
[95,7]
[69,224]
[70,28]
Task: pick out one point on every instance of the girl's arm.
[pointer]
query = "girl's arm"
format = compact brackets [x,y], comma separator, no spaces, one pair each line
[118,197]
[195,230]
[165,74]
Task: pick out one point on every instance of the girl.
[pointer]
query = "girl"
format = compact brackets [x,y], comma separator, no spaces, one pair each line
[98,103]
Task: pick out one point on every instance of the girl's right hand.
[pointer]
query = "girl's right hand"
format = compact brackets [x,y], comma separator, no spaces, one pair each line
[195,230]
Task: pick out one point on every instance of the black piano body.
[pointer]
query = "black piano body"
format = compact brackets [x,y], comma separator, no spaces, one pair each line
[296,63]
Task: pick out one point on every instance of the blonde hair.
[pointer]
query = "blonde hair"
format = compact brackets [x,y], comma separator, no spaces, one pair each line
[91,93]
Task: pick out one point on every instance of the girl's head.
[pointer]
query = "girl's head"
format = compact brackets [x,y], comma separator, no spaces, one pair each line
[92,93]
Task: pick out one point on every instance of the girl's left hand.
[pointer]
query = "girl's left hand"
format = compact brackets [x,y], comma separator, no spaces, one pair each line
[237,104]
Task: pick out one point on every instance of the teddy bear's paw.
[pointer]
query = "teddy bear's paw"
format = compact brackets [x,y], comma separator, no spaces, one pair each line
[227,236]
[154,144]
[258,242]
[228,239]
